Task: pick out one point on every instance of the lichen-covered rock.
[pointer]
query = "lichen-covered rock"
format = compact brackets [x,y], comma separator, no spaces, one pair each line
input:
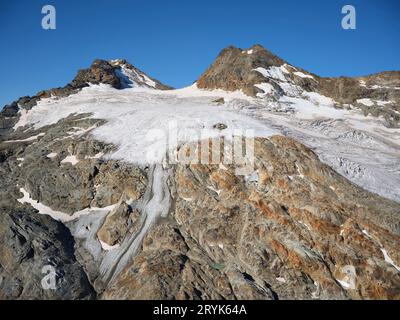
[118,223]
[292,231]
[168,269]
[115,179]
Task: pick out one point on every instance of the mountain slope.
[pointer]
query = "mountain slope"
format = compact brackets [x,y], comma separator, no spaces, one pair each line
[289,232]
[98,170]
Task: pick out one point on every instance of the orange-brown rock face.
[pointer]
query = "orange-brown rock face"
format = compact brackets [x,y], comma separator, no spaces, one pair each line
[292,229]
[233,70]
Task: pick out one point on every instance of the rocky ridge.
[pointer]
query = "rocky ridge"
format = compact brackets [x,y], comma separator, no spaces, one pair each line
[258,72]
[119,74]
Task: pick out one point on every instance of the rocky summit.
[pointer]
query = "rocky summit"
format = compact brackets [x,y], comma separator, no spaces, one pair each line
[117,186]
[257,72]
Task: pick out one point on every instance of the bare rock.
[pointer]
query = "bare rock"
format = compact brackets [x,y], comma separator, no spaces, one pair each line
[30,242]
[118,223]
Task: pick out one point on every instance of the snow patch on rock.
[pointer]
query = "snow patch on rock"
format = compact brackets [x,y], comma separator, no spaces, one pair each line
[58,215]
[70,159]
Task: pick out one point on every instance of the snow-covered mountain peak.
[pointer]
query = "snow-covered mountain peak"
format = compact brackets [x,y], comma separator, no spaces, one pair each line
[259,73]
[119,74]
[132,77]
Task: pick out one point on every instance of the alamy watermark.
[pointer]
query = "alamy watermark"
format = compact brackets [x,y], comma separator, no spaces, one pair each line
[49,281]
[349,20]
[349,279]
[187,145]
[49,20]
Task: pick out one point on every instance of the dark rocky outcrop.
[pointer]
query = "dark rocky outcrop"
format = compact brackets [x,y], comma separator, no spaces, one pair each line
[99,72]
[29,243]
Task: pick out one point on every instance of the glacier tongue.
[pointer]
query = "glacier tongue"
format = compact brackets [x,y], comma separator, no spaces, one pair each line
[155,204]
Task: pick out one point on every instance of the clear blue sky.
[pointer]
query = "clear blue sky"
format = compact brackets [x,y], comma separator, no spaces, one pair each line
[175,40]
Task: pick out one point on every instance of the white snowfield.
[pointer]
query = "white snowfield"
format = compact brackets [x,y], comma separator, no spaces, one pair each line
[141,121]
[58,215]
[70,159]
[27,139]
[303,75]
